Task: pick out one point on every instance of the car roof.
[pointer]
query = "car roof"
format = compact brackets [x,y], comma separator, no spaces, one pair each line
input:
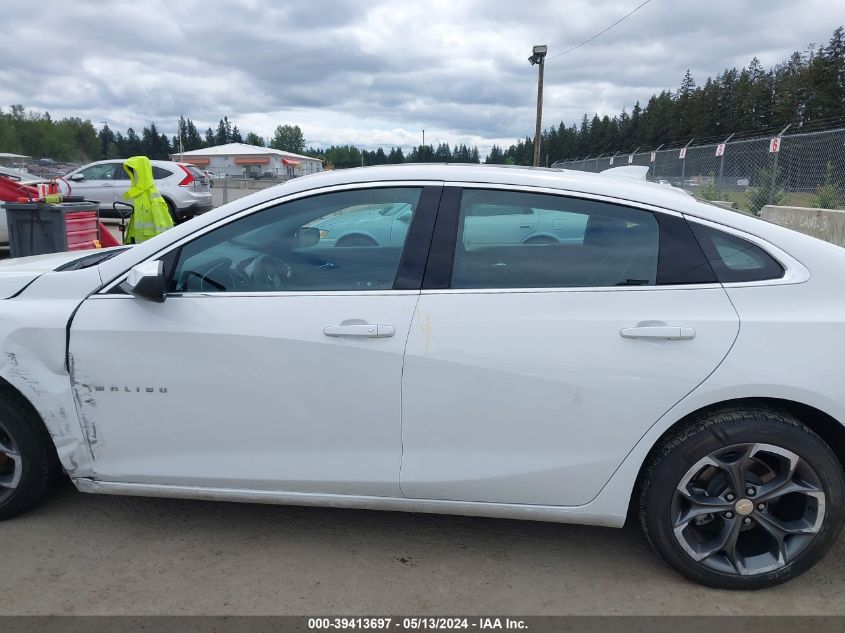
[564,179]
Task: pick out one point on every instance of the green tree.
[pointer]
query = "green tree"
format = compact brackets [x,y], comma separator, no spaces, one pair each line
[828,195]
[192,139]
[253,139]
[224,132]
[766,192]
[496,156]
[108,149]
[289,138]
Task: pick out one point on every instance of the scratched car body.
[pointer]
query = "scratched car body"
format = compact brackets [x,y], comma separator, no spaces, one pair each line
[653,356]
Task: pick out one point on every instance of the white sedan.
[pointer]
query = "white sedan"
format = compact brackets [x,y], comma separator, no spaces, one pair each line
[673,359]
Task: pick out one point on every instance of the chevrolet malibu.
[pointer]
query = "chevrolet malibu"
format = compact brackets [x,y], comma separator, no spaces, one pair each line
[670,361]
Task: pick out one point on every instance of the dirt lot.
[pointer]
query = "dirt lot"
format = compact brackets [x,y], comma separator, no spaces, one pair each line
[81,554]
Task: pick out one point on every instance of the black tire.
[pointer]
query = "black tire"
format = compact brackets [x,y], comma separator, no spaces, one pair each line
[21,428]
[171,209]
[541,240]
[747,559]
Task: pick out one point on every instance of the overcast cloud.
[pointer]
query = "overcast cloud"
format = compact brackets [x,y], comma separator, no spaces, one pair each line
[377,72]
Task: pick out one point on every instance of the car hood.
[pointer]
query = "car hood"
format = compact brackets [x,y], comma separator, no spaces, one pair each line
[16,274]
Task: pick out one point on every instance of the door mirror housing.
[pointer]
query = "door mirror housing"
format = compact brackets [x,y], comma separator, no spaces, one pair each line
[76,177]
[307,236]
[146,281]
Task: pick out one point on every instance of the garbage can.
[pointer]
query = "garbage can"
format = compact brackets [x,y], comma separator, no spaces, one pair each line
[37,228]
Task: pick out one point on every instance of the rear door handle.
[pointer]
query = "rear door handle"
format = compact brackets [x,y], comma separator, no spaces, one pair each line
[668,332]
[366,330]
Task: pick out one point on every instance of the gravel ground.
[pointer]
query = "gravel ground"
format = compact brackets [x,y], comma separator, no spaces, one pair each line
[86,554]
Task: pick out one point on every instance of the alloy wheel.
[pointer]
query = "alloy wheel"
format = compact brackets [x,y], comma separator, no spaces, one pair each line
[748,509]
[11,464]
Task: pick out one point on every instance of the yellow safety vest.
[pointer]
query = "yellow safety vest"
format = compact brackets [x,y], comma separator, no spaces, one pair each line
[151,215]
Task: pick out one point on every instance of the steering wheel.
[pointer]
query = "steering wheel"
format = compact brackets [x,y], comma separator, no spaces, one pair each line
[219,276]
[268,273]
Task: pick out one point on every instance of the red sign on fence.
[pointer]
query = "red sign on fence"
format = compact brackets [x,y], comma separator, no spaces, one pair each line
[774,145]
[720,149]
[682,154]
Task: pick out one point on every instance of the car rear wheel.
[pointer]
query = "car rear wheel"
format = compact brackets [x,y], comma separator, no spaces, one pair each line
[28,462]
[355,240]
[743,499]
[171,209]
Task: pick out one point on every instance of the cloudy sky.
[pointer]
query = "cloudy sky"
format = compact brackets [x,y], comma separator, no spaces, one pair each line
[377,72]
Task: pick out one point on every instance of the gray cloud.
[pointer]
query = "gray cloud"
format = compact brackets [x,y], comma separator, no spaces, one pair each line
[378,72]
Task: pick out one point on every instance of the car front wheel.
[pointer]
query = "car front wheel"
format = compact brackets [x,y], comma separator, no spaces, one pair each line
[28,461]
[743,499]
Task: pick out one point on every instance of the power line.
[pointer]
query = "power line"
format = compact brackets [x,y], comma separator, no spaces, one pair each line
[600,33]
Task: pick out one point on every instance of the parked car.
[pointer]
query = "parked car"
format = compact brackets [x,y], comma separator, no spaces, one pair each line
[184,187]
[568,381]
[486,225]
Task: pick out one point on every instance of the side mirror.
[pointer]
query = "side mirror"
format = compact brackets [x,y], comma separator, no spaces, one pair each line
[307,236]
[146,281]
[76,177]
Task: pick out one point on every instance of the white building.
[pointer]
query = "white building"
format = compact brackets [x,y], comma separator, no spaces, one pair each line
[240,159]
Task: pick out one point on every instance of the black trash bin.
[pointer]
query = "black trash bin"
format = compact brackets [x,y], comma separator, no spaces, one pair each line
[37,228]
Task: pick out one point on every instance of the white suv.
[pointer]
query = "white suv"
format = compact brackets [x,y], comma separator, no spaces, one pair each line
[184,187]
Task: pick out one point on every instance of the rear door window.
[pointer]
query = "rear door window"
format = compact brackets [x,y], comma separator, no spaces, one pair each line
[509,239]
[734,259]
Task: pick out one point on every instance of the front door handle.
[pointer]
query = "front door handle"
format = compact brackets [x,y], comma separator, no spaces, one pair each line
[668,332]
[366,330]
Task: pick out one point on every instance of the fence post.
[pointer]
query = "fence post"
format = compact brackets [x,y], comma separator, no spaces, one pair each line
[774,186]
[722,163]
[225,188]
[654,168]
[684,162]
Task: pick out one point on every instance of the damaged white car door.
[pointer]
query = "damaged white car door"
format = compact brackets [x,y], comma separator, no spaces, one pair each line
[273,364]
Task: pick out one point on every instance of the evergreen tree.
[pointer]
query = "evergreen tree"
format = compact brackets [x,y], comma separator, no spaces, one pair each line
[253,139]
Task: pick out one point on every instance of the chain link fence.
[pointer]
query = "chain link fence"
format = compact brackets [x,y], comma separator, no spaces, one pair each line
[801,169]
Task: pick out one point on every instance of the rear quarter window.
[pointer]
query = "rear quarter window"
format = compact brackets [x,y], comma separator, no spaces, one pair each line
[161,172]
[735,259]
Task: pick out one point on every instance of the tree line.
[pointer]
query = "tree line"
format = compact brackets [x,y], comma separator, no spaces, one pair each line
[807,89]
[38,135]
[344,156]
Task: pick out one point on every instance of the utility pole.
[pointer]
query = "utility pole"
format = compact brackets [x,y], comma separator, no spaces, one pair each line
[181,149]
[538,57]
[423,147]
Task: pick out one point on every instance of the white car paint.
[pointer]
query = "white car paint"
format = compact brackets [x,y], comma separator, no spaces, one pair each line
[262,407]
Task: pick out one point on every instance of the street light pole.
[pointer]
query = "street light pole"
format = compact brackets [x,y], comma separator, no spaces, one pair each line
[538,58]
[423,147]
